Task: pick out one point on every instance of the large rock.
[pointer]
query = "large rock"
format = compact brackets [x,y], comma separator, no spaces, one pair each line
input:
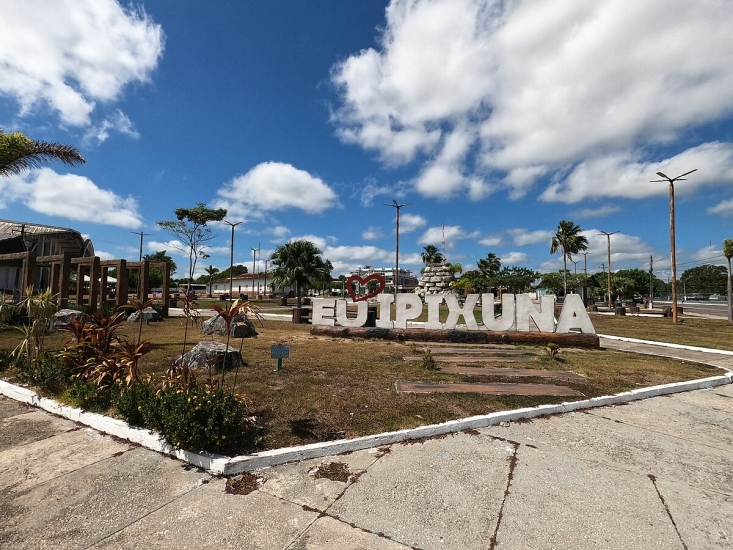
[149,314]
[62,318]
[241,326]
[207,350]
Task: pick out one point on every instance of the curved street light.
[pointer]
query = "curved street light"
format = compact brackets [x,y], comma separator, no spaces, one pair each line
[673,260]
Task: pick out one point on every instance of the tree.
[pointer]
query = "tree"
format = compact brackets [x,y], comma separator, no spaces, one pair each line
[299,263]
[431,255]
[156,275]
[190,227]
[728,252]
[516,279]
[554,282]
[473,282]
[19,153]
[568,238]
[237,270]
[211,271]
[705,279]
[638,277]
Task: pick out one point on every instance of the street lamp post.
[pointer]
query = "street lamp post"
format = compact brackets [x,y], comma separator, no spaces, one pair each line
[608,237]
[585,280]
[397,247]
[671,234]
[254,259]
[231,257]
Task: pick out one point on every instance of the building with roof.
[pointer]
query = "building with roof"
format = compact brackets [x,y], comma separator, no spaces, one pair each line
[43,240]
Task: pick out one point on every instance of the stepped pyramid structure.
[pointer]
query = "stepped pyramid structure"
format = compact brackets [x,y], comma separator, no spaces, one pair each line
[436,279]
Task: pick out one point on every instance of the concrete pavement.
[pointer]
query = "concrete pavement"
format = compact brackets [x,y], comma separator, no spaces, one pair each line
[652,474]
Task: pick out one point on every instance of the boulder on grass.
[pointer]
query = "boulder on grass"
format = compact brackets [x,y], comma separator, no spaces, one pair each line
[149,314]
[241,326]
[62,318]
[207,350]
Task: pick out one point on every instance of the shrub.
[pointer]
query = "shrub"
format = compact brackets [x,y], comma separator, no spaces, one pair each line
[202,419]
[136,403]
[89,396]
[47,372]
[428,361]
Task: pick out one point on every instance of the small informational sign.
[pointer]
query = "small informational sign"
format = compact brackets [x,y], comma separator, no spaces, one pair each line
[280,352]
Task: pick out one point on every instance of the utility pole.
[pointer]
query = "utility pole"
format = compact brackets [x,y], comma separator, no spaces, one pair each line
[231,257]
[671,234]
[397,245]
[651,282]
[254,259]
[141,242]
[608,237]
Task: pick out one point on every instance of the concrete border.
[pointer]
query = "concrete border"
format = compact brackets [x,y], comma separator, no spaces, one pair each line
[218,464]
[666,344]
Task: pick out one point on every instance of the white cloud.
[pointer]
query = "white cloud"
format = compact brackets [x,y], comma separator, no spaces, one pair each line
[278,231]
[599,212]
[485,91]
[490,240]
[273,186]
[104,255]
[522,237]
[72,196]
[723,208]
[619,175]
[73,55]
[513,258]
[348,258]
[372,233]
[411,222]
[320,242]
[451,234]
[118,122]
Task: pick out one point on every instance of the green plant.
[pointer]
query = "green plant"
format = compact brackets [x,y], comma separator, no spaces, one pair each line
[552,350]
[136,403]
[208,420]
[428,361]
[88,396]
[6,359]
[47,372]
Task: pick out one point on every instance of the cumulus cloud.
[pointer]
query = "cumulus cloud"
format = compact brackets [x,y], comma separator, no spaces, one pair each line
[490,240]
[411,222]
[627,251]
[73,55]
[72,196]
[723,208]
[372,234]
[513,258]
[116,122]
[522,237]
[489,94]
[451,234]
[271,186]
[320,242]
[599,212]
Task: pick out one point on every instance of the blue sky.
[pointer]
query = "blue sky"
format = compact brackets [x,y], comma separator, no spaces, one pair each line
[494,119]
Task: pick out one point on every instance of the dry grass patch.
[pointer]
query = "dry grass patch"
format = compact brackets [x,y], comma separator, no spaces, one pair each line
[691,331]
[333,388]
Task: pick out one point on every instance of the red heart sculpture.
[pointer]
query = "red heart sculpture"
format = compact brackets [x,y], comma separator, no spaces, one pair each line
[363,282]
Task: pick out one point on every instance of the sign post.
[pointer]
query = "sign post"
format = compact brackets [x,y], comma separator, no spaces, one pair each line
[279,352]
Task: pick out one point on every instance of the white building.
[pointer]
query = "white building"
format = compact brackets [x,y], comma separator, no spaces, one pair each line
[250,284]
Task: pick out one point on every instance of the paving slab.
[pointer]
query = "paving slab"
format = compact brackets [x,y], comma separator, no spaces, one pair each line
[9,407]
[443,493]
[593,438]
[704,518]
[469,351]
[209,518]
[36,425]
[330,534]
[497,388]
[298,483]
[82,507]
[557,501]
[716,399]
[677,418]
[32,464]
[474,359]
[502,371]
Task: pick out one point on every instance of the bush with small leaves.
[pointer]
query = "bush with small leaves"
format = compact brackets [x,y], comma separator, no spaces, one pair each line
[88,396]
[428,362]
[136,403]
[48,372]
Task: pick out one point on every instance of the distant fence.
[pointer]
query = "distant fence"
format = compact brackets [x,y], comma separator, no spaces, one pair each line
[66,278]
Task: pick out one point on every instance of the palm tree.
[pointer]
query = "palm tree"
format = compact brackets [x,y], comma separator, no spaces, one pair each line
[19,153]
[211,271]
[431,255]
[568,239]
[299,263]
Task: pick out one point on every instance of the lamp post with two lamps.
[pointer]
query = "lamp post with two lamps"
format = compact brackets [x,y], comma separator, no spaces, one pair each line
[608,237]
[397,248]
[231,257]
[671,181]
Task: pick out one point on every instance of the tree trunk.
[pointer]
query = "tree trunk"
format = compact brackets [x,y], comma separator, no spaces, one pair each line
[565,271]
[730,304]
[297,294]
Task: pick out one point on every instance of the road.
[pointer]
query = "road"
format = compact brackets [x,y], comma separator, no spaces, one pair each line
[713,309]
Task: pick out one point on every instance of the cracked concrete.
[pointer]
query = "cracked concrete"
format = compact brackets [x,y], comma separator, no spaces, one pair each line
[656,473]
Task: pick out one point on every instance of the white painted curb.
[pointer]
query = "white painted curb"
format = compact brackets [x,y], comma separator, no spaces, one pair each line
[218,464]
[666,344]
